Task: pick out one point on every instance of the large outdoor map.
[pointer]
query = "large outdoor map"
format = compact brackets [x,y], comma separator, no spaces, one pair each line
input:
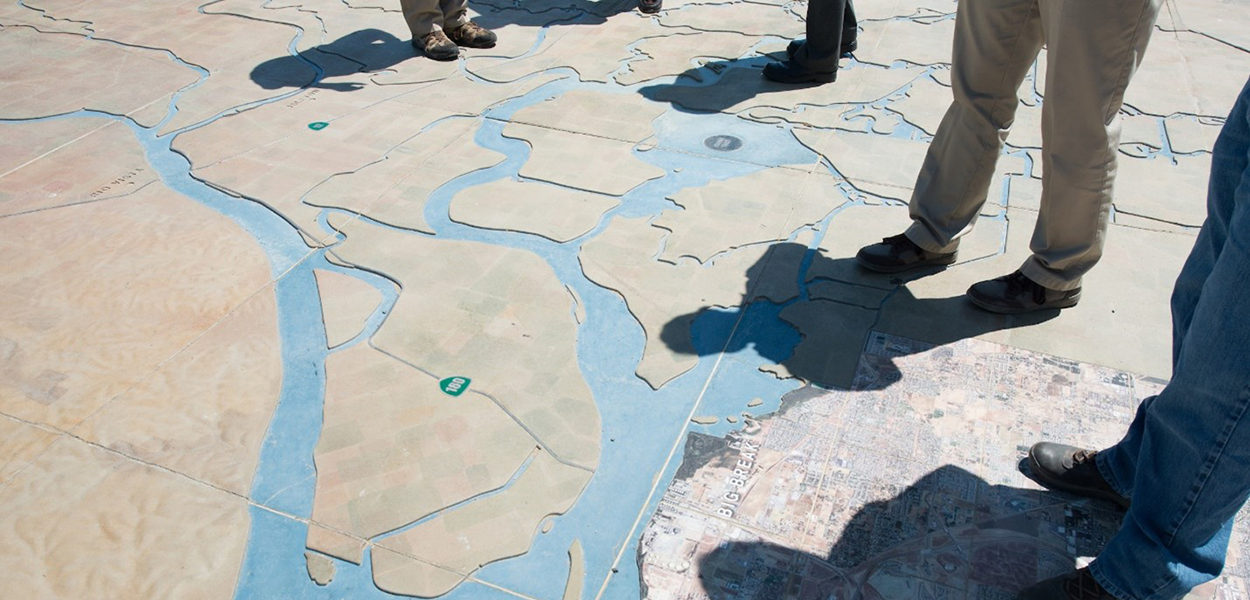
[290,311]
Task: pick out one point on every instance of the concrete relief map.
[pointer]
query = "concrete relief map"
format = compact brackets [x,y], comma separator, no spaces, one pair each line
[291,311]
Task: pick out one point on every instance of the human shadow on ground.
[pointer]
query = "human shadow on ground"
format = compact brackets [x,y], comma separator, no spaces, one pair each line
[719,85]
[839,309]
[360,51]
[948,532]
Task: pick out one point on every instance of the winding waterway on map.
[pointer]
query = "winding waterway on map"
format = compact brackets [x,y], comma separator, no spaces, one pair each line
[643,429]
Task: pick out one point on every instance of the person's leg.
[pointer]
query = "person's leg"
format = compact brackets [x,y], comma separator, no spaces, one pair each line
[423,16]
[850,28]
[1118,464]
[823,47]
[1093,49]
[995,43]
[455,13]
[1190,446]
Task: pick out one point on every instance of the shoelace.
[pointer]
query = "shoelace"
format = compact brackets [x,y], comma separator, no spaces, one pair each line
[899,243]
[1081,456]
[1083,587]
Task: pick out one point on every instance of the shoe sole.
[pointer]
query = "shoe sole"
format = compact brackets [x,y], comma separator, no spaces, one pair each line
[1011,310]
[809,78]
[1057,486]
[945,261]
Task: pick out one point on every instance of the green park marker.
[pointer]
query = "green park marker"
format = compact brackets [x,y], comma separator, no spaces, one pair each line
[318,126]
[454,386]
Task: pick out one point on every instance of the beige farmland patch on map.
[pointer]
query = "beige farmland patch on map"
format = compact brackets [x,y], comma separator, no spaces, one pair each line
[494,527]
[228,46]
[280,123]
[671,55]
[346,303]
[282,174]
[747,18]
[566,45]
[75,341]
[557,213]
[764,206]
[1158,189]
[395,449]
[1189,73]
[206,410]
[742,89]
[925,103]
[402,574]
[24,143]
[625,117]
[107,164]
[666,298]
[20,443]
[83,522]
[604,166]
[857,157]
[394,187]
[1114,324]
[462,313]
[33,61]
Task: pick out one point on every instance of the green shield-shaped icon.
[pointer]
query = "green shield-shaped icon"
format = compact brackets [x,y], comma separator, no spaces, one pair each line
[318,126]
[454,386]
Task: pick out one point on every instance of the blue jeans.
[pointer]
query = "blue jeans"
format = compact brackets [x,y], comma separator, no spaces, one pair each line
[1185,460]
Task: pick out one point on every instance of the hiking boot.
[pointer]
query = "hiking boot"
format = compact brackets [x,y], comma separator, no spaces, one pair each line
[898,253]
[1072,470]
[1079,585]
[1016,294]
[472,35]
[847,47]
[650,7]
[436,46]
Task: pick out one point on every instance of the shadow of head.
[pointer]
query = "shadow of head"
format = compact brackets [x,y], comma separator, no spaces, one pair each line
[360,51]
[834,304]
[949,531]
[719,85]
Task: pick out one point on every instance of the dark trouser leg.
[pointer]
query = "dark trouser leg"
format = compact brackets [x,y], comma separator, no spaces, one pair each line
[824,35]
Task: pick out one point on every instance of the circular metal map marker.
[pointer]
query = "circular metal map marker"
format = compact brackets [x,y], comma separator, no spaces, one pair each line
[723,143]
[318,125]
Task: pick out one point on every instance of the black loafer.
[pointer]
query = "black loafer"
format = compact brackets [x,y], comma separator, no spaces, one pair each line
[1072,470]
[1016,294]
[898,253]
[1079,585]
[847,47]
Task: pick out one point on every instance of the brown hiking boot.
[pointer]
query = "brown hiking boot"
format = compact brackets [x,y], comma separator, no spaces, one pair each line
[436,46]
[472,35]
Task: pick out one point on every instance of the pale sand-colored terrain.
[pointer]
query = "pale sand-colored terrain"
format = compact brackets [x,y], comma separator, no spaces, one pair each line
[168,353]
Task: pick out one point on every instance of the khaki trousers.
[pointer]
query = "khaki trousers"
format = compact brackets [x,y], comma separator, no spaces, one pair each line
[1093,49]
[427,16]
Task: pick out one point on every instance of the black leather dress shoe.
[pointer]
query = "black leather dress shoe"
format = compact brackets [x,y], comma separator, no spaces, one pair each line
[1071,469]
[792,72]
[847,47]
[1073,586]
[898,253]
[1016,294]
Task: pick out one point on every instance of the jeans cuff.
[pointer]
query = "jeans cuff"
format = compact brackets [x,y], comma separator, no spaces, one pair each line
[1096,571]
[1101,461]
